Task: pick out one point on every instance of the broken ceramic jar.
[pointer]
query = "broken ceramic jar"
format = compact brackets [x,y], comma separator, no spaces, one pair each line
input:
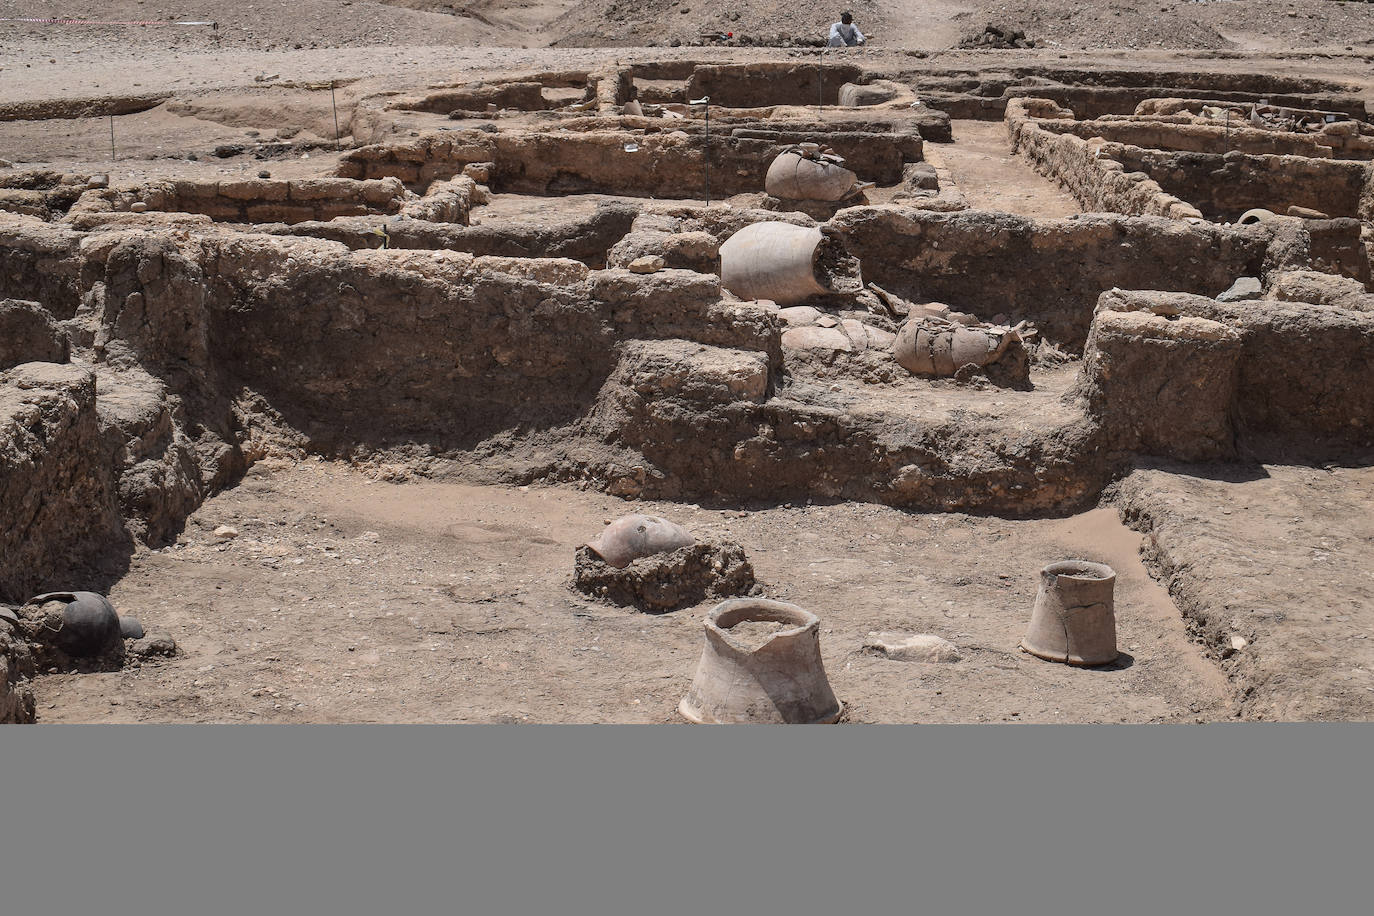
[810,172]
[81,624]
[933,346]
[1074,620]
[633,536]
[786,264]
[778,680]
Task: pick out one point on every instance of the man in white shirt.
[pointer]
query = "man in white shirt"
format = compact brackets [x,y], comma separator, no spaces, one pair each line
[845,33]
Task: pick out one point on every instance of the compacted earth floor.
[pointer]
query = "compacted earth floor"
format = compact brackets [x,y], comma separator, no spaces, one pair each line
[343,597]
[982,165]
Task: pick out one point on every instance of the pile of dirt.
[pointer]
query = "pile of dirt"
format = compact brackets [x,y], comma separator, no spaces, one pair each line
[597,23]
[300,25]
[411,24]
[997,35]
[1182,24]
[668,581]
[1058,24]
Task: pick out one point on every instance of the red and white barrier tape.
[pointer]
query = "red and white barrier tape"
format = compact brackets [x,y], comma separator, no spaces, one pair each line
[109,22]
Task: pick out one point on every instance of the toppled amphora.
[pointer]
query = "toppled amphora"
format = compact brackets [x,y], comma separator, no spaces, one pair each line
[786,264]
[761,663]
[1074,620]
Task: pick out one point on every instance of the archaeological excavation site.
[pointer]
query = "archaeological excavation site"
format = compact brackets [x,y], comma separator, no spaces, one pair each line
[693,385]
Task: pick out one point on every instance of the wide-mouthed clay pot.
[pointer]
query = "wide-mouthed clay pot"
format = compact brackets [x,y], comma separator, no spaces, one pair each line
[781,680]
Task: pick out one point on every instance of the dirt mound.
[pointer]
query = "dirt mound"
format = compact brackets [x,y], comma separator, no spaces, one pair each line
[997,35]
[1058,24]
[669,581]
[597,23]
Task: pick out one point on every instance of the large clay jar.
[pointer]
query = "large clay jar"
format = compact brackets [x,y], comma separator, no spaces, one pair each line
[932,346]
[783,263]
[1074,620]
[633,536]
[804,173]
[88,623]
[780,681]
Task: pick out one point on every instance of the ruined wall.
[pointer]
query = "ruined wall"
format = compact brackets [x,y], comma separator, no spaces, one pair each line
[39,263]
[16,668]
[57,492]
[758,85]
[1337,246]
[702,439]
[663,164]
[523,95]
[1225,186]
[984,94]
[28,333]
[586,238]
[1084,168]
[1366,205]
[249,200]
[373,348]
[1180,136]
[1049,272]
[1297,376]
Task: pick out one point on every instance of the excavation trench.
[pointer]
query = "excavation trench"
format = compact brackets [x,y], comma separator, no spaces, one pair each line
[411,389]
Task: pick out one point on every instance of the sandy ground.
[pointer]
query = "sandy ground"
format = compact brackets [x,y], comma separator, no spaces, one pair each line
[981,164]
[1276,565]
[348,599]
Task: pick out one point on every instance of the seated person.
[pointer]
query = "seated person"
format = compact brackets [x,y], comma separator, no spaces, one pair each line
[845,33]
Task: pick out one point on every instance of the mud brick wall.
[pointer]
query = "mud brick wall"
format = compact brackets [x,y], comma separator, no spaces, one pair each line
[1170,134]
[1084,168]
[252,200]
[1162,384]
[16,671]
[1049,272]
[57,488]
[585,238]
[39,262]
[1338,246]
[1225,186]
[527,96]
[373,348]
[984,95]
[1300,376]
[759,85]
[573,162]
[1096,102]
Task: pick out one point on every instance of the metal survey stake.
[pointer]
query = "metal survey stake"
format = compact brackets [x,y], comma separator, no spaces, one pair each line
[820,84]
[705,102]
[333,101]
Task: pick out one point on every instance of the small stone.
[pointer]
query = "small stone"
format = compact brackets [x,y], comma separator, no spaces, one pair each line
[799,316]
[153,645]
[130,628]
[264,174]
[138,207]
[922,647]
[1243,289]
[832,339]
[98,181]
[226,533]
[1238,643]
[650,263]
